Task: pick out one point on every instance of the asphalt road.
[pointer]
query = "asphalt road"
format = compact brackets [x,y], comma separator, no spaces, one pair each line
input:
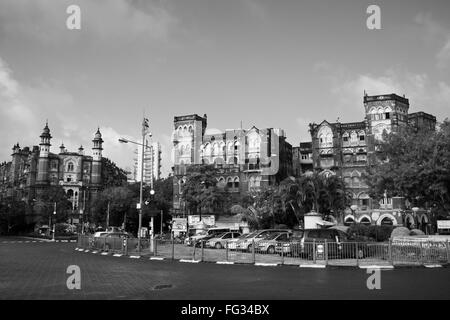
[38,271]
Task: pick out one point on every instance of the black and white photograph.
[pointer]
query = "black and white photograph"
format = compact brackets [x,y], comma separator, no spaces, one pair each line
[224,154]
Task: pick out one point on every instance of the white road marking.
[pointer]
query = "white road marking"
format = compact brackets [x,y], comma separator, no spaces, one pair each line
[314,266]
[117,255]
[189,261]
[135,257]
[261,264]
[225,262]
[156,258]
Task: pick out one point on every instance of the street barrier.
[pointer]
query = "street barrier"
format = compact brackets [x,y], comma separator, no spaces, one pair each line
[409,251]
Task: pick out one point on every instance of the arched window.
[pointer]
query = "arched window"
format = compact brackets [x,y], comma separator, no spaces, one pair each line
[325,137]
[215,148]
[229,182]
[236,182]
[70,166]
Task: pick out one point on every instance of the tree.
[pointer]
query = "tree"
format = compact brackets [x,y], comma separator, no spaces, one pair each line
[112,175]
[120,200]
[414,165]
[44,205]
[201,192]
[288,202]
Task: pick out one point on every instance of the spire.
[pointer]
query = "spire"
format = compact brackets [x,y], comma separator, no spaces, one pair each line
[62,148]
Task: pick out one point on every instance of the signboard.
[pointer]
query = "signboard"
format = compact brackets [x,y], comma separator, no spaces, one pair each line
[143,232]
[443,224]
[138,206]
[179,224]
[207,220]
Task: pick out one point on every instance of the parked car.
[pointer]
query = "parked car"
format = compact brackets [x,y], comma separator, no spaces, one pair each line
[112,240]
[191,240]
[100,234]
[246,244]
[220,241]
[310,242]
[269,242]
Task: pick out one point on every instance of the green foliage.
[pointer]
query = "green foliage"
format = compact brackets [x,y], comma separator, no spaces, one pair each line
[373,232]
[415,165]
[112,175]
[201,193]
[44,205]
[12,216]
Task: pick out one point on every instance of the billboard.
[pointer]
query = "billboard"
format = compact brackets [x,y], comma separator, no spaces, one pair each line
[179,224]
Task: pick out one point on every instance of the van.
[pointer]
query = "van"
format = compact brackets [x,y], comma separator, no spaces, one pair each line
[311,242]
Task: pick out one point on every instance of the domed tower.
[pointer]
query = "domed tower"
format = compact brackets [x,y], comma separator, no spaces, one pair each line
[44,151]
[96,178]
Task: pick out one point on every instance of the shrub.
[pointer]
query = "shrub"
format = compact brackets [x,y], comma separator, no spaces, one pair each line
[374,232]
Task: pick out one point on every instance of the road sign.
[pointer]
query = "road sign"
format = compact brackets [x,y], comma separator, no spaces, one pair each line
[138,206]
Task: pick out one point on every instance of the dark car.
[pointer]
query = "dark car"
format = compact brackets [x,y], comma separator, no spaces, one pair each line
[316,243]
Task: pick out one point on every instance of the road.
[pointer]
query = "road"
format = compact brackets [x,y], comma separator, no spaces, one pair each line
[38,271]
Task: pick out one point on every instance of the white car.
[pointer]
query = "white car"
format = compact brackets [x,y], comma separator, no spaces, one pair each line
[220,241]
[100,234]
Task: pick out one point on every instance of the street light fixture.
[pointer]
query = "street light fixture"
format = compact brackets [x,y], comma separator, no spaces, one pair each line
[143,145]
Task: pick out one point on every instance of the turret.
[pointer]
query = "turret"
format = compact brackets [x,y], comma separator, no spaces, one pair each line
[45,142]
[16,149]
[62,148]
[43,162]
[81,150]
[97,158]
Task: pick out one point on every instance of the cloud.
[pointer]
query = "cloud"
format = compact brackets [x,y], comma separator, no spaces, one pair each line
[437,33]
[443,56]
[423,93]
[256,8]
[303,129]
[45,20]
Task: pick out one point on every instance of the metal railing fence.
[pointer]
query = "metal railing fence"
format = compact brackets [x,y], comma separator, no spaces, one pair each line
[270,251]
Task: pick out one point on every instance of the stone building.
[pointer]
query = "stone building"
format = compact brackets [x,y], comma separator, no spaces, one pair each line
[347,149]
[248,159]
[31,171]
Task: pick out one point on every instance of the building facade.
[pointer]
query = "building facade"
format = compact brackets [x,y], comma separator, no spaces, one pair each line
[247,159]
[348,149]
[152,163]
[31,171]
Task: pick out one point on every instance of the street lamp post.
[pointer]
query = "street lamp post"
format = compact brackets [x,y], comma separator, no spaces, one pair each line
[143,146]
[54,223]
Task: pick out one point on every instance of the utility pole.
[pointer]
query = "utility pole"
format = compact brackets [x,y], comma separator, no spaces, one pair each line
[144,126]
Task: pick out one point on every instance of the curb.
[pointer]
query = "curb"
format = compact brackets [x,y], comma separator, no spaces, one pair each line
[156,258]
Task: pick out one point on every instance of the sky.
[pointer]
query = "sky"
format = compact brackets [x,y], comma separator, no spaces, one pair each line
[280,64]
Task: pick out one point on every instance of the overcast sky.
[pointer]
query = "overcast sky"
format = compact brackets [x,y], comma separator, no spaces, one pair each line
[268,63]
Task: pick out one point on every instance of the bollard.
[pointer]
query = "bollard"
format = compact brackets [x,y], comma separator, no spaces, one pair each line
[104,243]
[155,247]
[282,253]
[125,246]
[326,252]
[253,251]
[357,254]
[173,248]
